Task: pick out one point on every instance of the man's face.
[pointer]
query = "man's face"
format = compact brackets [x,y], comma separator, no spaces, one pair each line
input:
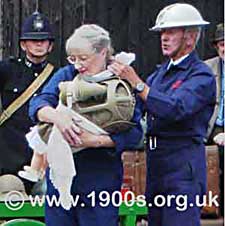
[173,42]
[220,48]
[36,48]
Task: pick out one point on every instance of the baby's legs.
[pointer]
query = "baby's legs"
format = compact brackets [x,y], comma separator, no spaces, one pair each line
[36,170]
[37,161]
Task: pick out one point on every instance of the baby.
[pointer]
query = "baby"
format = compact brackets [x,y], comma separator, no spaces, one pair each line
[106,106]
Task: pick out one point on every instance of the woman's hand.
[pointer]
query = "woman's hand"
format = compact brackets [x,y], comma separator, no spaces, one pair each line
[67,126]
[89,140]
[64,121]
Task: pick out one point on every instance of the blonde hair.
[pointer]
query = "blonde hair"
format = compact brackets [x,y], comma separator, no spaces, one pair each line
[89,36]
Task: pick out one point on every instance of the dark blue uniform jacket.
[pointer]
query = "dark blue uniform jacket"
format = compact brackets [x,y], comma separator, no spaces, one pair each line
[179,105]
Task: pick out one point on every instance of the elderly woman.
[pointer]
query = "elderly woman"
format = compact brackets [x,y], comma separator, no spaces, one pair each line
[99,166]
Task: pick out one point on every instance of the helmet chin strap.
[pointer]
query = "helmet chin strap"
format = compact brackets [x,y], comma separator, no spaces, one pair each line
[37,59]
[48,51]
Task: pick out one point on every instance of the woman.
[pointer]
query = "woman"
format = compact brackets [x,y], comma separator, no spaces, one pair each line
[99,166]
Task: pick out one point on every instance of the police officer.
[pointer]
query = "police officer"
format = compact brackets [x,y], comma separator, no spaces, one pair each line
[179,99]
[16,75]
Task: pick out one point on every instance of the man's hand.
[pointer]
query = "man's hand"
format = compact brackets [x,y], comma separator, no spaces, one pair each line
[220,139]
[125,72]
[128,73]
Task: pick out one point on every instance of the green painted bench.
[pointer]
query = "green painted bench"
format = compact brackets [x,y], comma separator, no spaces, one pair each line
[23,222]
[128,214]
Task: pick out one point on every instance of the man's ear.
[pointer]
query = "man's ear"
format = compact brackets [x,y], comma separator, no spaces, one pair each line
[190,38]
[23,45]
[51,44]
[215,45]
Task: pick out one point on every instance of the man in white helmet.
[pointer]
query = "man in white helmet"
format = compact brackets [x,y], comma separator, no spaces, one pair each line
[179,98]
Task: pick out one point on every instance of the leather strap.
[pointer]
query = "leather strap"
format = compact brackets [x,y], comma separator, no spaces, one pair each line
[25,96]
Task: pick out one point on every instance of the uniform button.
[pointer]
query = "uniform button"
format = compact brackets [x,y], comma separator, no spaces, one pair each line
[152,118]
[19,60]
[15,90]
[36,74]
[35,94]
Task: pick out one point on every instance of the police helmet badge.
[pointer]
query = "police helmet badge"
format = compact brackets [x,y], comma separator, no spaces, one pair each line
[38,23]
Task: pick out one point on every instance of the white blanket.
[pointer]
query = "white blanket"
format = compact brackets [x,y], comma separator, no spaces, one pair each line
[59,154]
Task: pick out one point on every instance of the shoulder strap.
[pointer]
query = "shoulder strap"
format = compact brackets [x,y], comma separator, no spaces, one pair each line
[1,108]
[24,97]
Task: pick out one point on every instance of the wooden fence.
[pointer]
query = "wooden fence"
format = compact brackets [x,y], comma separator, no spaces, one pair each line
[127,20]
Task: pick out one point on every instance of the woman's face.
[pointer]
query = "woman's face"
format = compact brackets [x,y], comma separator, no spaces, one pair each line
[88,62]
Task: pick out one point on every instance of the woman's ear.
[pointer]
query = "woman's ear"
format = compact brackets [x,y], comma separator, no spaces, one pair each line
[104,52]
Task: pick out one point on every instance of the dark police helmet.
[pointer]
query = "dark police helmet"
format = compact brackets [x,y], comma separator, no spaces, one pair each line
[219,33]
[36,27]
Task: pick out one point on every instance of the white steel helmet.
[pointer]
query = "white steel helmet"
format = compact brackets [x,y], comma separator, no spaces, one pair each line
[178,15]
[12,188]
